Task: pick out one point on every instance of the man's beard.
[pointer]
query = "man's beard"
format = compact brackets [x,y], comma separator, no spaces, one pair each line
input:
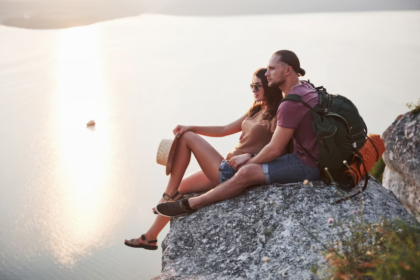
[276,84]
[282,80]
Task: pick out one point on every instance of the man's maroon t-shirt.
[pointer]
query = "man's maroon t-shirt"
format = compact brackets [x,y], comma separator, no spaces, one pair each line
[294,115]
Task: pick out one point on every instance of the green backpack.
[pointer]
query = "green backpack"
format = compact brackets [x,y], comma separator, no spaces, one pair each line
[340,132]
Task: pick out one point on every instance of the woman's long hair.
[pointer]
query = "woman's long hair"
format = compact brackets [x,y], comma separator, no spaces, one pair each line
[273,96]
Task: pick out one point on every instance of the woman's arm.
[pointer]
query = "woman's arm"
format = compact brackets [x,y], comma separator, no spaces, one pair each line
[213,131]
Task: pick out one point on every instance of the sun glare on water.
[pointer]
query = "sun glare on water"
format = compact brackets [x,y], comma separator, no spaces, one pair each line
[80,202]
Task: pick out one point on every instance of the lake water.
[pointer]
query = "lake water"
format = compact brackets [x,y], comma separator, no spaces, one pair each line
[70,195]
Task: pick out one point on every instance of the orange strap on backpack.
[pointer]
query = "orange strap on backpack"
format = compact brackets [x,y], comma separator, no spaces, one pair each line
[371,152]
[363,161]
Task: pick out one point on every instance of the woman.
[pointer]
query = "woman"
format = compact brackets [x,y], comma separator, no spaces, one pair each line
[257,127]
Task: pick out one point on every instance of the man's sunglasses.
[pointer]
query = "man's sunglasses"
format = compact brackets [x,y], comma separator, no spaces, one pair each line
[255,87]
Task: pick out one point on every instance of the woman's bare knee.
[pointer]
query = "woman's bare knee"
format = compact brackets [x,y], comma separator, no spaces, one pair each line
[189,135]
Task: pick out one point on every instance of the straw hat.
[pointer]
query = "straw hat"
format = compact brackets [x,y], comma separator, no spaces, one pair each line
[166,152]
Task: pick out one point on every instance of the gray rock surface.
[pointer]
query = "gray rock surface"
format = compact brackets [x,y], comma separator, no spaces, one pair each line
[402,159]
[232,239]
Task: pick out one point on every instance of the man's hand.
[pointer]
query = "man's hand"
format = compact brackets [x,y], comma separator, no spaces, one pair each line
[238,161]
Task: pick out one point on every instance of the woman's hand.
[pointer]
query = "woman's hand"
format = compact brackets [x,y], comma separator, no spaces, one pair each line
[181,129]
[238,161]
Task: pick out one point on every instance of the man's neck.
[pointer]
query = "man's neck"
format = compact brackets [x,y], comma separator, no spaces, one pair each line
[288,85]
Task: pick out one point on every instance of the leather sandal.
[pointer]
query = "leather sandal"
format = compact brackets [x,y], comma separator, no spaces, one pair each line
[175,197]
[145,244]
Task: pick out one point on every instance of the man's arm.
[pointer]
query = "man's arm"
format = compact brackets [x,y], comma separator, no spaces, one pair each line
[276,146]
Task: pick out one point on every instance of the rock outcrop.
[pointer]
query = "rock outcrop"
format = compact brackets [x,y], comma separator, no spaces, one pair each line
[402,159]
[268,232]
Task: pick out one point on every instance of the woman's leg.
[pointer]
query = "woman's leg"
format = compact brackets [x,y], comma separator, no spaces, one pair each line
[196,182]
[208,159]
[206,179]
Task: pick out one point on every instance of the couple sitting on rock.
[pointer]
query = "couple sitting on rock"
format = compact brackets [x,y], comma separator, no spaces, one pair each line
[261,157]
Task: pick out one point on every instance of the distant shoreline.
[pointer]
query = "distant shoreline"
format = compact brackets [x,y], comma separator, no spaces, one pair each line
[57,15]
[40,23]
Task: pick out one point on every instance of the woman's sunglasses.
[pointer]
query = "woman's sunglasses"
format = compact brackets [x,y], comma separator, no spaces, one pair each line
[255,87]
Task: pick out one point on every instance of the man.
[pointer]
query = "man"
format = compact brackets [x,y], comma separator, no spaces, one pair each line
[293,120]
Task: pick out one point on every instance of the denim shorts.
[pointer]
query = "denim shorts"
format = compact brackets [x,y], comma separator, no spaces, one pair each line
[283,170]
[289,169]
[225,171]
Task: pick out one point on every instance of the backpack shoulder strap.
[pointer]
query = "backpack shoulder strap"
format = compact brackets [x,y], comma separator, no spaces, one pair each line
[296,98]
[292,97]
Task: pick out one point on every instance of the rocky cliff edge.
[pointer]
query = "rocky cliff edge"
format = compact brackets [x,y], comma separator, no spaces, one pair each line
[269,232]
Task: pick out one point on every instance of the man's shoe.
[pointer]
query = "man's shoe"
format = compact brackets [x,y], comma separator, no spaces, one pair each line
[173,209]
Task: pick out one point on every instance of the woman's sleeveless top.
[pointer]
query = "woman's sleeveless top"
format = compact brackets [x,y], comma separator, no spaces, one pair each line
[256,133]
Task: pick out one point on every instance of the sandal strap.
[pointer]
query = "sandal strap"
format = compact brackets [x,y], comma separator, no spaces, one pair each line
[143,238]
[131,241]
[166,197]
[174,197]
